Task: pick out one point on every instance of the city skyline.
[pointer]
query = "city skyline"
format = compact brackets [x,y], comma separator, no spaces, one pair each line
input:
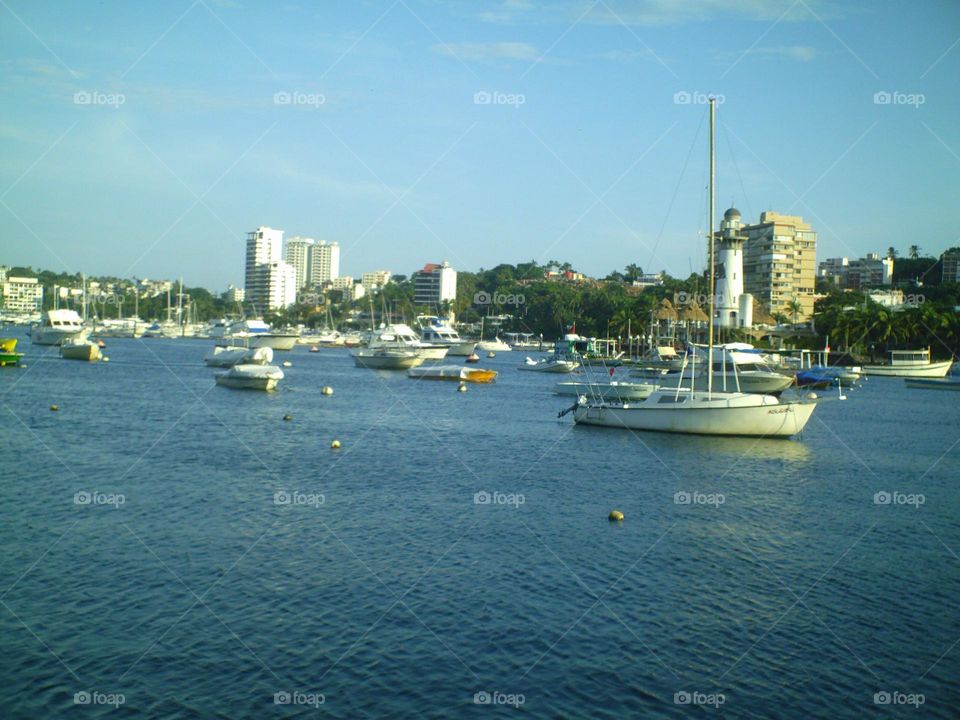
[474,133]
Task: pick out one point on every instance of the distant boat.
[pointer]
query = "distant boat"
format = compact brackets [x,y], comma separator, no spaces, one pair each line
[255,333]
[251,377]
[230,355]
[433,331]
[384,358]
[563,360]
[910,363]
[612,390]
[8,352]
[80,350]
[453,372]
[57,326]
[946,383]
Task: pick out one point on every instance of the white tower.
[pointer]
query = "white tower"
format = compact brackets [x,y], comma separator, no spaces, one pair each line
[729,270]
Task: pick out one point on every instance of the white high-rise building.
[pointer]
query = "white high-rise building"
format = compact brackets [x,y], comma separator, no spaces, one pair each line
[324,262]
[434,284]
[297,254]
[271,283]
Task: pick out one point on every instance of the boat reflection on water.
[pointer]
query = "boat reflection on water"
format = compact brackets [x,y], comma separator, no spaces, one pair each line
[727,447]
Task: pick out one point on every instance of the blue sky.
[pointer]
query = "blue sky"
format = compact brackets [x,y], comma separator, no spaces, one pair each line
[146,139]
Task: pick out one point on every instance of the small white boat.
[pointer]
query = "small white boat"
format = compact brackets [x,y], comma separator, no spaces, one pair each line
[233,355]
[434,331]
[80,350]
[453,372]
[612,390]
[387,358]
[910,363]
[57,327]
[256,333]
[251,377]
[495,345]
[550,365]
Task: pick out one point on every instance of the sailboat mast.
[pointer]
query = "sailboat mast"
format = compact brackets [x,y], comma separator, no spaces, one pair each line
[713,170]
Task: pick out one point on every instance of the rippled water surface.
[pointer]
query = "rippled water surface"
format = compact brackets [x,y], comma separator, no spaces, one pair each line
[782,589]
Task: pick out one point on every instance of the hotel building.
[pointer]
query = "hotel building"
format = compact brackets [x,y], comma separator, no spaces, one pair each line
[779,263]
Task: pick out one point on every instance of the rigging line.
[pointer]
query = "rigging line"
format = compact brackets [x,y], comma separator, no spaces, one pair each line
[747,207]
[676,190]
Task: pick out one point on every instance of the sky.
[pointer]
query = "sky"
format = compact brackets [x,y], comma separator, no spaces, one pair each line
[147,139]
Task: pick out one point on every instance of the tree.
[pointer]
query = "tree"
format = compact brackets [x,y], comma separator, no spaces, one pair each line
[891,252]
[914,252]
[795,309]
[633,271]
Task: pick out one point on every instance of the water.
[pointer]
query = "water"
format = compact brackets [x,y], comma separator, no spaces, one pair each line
[792,595]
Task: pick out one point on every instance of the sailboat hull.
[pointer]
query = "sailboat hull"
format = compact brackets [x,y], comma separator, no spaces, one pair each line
[764,420]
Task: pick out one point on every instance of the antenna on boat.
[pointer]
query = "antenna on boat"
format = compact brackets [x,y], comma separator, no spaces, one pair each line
[713,106]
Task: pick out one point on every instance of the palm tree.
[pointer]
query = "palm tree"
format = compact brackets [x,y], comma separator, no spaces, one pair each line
[914,252]
[795,309]
[891,252]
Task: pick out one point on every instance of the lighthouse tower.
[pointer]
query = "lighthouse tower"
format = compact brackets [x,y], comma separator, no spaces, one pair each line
[729,272]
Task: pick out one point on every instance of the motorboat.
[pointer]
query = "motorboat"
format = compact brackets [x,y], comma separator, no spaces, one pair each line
[80,350]
[910,363]
[612,390]
[251,377]
[255,333]
[402,336]
[58,326]
[131,327]
[228,356]
[495,345]
[385,358]
[8,352]
[944,383]
[689,411]
[565,359]
[433,331]
[456,373]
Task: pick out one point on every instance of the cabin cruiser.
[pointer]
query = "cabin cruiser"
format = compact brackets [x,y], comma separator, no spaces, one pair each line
[564,359]
[387,358]
[57,326]
[255,333]
[433,331]
[399,335]
[910,363]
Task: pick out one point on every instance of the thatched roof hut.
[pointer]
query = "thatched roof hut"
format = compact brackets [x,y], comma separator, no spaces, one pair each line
[665,311]
[693,313]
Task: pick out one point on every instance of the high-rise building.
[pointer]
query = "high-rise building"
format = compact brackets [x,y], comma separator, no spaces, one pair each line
[297,254]
[950,261]
[324,262]
[434,284]
[779,264]
[270,283]
[22,295]
[376,279]
[870,271]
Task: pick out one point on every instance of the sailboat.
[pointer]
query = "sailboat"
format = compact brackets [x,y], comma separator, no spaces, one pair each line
[692,411]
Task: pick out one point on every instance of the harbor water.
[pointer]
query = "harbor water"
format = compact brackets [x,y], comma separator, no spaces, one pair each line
[176,549]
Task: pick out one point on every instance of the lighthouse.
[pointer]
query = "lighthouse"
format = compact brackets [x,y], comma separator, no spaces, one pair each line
[729,274]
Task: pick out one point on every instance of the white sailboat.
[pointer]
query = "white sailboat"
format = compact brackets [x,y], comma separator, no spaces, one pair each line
[696,412]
